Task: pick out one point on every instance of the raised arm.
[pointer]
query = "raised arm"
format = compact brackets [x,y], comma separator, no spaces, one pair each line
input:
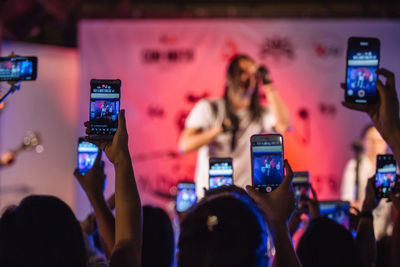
[365,239]
[128,210]
[93,185]
[278,109]
[385,113]
[278,206]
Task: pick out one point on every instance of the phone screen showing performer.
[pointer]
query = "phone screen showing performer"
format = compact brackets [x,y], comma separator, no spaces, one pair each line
[104,108]
[385,178]
[267,161]
[87,153]
[337,211]
[362,62]
[220,172]
[18,68]
[301,189]
[186,196]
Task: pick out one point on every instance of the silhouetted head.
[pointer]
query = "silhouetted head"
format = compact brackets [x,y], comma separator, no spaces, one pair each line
[41,231]
[327,243]
[158,238]
[225,229]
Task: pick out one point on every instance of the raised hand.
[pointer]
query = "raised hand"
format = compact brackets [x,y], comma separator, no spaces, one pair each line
[93,181]
[117,149]
[278,205]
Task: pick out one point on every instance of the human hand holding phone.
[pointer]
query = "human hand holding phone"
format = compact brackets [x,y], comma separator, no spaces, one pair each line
[370,201]
[279,204]
[385,112]
[93,181]
[313,205]
[117,149]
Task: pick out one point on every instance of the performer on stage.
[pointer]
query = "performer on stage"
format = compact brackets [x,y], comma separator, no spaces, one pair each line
[373,144]
[222,127]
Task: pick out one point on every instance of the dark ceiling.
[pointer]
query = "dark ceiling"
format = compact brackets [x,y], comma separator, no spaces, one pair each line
[55,21]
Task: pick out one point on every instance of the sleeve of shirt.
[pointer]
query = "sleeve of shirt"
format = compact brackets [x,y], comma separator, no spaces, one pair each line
[268,121]
[347,190]
[201,116]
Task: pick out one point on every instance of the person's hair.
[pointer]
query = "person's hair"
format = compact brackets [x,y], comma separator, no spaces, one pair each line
[366,129]
[225,188]
[256,108]
[158,238]
[41,231]
[225,229]
[327,243]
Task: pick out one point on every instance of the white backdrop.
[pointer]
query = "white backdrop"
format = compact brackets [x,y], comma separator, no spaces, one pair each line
[49,106]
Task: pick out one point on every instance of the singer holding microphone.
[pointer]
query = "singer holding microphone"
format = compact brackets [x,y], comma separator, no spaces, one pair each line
[222,127]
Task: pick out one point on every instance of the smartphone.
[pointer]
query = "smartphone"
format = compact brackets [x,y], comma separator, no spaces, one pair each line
[337,211]
[104,108]
[87,153]
[362,61]
[18,68]
[266,161]
[220,172]
[385,178]
[186,196]
[301,187]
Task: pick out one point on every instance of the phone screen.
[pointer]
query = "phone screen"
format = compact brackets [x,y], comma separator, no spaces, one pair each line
[104,108]
[385,178]
[186,196]
[337,211]
[87,153]
[362,62]
[18,68]
[301,189]
[220,172]
[267,161]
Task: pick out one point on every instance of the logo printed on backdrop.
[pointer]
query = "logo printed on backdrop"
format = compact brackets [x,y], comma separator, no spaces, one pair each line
[277,50]
[326,49]
[167,52]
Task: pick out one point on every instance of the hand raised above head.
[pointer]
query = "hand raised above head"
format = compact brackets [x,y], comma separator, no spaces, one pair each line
[278,205]
[117,149]
[93,181]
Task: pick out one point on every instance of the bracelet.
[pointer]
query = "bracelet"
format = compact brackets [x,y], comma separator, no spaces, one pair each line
[366,214]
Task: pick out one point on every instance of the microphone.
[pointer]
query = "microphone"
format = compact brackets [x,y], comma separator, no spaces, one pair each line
[262,72]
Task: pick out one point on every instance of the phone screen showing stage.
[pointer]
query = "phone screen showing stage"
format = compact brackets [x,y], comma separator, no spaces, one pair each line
[267,160]
[104,108]
[301,189]
[220,173]
[18,68]
[362,62]
[385,178]
[87,153]
[186,196]
[337,211]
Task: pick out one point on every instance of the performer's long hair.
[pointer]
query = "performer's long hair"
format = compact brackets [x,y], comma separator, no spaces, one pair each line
[255,106]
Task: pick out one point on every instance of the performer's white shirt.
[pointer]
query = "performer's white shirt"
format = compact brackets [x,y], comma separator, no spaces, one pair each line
[202,116]
[382,214]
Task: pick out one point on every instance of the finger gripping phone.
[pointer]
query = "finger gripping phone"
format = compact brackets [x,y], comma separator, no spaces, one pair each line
[362,61]
[18,68]
[301,187]
[186,196]
[266,161]
[105,98]
[87,153]
[385,178]
[220,172]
